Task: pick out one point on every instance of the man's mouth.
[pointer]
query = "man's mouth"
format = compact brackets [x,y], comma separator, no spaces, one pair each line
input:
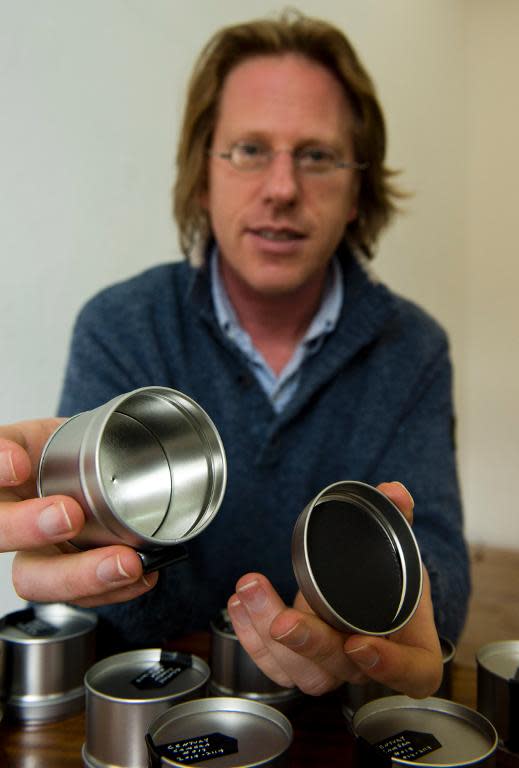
[277,235]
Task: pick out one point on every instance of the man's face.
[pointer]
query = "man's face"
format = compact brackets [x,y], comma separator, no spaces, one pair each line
[278,227]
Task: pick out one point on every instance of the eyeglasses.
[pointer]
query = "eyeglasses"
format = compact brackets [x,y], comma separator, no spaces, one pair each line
[311,160]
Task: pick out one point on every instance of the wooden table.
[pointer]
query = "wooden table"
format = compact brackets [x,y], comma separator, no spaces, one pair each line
[321,736]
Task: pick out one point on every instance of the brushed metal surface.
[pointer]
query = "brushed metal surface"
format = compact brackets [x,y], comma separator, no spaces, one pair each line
[148,468]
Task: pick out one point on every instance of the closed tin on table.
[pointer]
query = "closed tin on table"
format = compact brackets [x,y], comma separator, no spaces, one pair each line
[220,731]
[47,650]
[400,731]
[234,673]
[125,692]
[356,560]
[498,689]
[148,468]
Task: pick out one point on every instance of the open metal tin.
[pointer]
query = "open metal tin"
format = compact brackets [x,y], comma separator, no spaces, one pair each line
[148,469]
[356,560]
[125,692]
[47,650]
[498,689]
[233,672]
[238,732]
[399,731]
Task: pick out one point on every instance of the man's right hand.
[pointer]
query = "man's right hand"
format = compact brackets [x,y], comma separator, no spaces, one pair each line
[46,568]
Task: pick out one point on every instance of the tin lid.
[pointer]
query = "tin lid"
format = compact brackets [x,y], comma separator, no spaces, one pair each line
[239,732]
[146,675]
[448,649]
[423,732]
[46,623]
[356,559]
[501,658]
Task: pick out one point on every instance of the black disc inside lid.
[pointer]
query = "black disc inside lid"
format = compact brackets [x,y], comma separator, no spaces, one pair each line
[355,564]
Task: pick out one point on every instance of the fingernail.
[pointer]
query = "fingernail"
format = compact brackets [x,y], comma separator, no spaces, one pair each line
[295,637]
[365,656]
[239,613]
[54,520]
[111,571]
[253,595]
[7,473]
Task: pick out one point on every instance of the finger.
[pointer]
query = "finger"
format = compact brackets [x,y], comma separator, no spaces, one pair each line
[264,606]
[146,584]
[417,672]
[400,496]
[254,645]
[51,576]
[15,465]
[313,639]
[38,522]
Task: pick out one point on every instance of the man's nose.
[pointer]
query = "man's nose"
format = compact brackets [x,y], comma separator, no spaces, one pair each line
[281,183]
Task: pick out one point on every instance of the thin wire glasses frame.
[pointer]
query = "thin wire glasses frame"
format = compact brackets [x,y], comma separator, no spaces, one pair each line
[312,160]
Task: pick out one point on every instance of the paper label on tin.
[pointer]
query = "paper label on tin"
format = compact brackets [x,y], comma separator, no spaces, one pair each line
[36,628]
[163,672]
[408,745]
[199,748]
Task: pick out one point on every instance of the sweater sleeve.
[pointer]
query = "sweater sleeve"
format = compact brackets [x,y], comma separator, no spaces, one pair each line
[422,455]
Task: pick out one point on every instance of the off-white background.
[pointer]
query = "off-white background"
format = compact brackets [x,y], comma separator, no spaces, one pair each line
[90,96]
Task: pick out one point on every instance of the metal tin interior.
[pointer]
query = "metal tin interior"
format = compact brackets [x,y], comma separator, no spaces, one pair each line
[47,650]
[465,737]
[233,672]
[351,534]
[498,688]
[125,693]
[149,467]
[261,734]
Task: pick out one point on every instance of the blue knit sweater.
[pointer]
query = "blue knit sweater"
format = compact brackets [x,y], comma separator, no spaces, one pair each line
[373,405]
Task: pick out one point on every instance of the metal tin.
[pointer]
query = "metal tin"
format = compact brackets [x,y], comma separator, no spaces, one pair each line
[356,560]
[398,730]
[148,469]
[354,696]
[240,733]
[234,673]
[498,688]
[125,692]
[47,649]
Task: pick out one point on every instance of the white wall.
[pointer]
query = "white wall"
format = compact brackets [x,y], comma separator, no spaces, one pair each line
[91,93]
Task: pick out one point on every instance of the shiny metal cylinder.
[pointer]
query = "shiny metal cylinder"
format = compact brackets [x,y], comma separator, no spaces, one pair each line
[148,469]
[356,560]
[232,732]
[400,731]
[125,693]
[47,650]
[498,689]
[234,673]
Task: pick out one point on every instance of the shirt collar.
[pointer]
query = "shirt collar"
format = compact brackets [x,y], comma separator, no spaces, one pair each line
[323,322]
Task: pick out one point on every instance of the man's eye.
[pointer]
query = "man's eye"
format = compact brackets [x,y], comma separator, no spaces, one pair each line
[316,156]
[249,149]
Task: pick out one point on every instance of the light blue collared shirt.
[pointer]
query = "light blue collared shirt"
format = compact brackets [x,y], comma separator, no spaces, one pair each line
[279,389]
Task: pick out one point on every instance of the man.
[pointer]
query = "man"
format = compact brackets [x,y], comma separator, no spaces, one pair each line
[312,371]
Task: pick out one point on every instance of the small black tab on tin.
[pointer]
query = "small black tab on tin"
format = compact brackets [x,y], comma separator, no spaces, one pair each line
[163,672]
[199,748]
[30,624]
[409,745]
